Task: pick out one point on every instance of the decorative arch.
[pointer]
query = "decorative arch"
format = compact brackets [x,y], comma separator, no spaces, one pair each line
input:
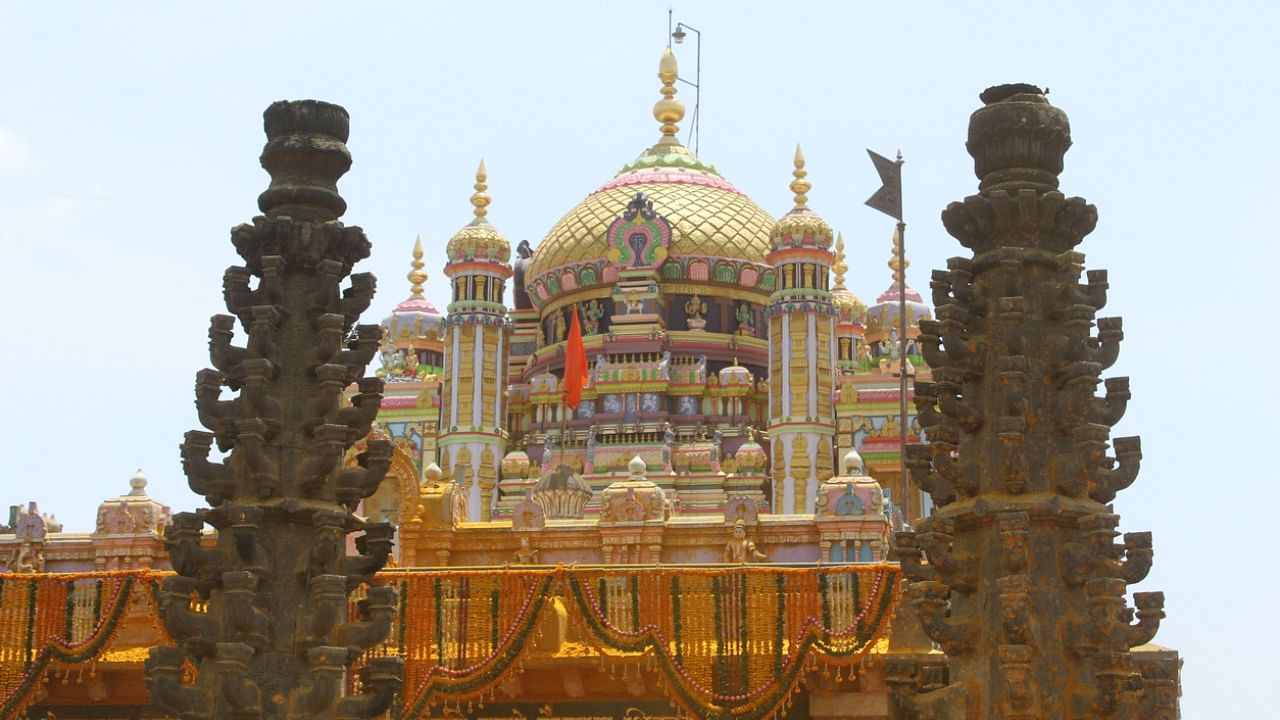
[726,273]
[401,480]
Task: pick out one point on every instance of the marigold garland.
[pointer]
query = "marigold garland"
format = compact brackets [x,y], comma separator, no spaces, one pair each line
[723,666]
[730,642]
[46,621]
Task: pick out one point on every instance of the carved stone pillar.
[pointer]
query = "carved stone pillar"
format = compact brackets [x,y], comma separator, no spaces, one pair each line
[1024,585]
[275,641]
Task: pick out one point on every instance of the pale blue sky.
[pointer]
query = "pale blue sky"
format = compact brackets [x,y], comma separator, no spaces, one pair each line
[129,143]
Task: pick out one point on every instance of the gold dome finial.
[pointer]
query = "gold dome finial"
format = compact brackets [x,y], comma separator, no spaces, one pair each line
[899,268]
[668,110]
[417,275]
[840,267]
[799,185]
[480,199]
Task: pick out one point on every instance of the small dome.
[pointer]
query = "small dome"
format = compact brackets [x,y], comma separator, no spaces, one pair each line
[852,464]
[133,513]
[138,483]
[883,316]
[515,465]
[433,474]
[735,374]
[751,458]
[478,240]
[708,216]
[849,306]
[637,466]
[801,227]
[416,319]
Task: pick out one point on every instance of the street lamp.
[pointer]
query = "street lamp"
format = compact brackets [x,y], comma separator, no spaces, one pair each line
[679,35]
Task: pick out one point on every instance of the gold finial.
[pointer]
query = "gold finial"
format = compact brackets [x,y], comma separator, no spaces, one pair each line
[480,199]
[668,110]
[417,275]
[840,267]
[800,186]
[899,267]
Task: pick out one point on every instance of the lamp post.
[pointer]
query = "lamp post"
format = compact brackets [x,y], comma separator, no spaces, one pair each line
[679,35]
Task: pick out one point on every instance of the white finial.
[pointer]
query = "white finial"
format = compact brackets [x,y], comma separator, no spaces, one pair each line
[138,483]
[433,473]
[852,464]
[637,466]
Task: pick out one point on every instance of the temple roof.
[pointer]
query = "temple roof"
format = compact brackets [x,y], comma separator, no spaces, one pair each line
[709,216]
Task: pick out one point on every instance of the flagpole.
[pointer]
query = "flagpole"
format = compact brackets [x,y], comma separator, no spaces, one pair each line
[902,366]
[564,419]
[888,200]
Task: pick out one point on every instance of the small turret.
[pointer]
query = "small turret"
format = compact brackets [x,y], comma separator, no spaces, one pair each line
[477,341]
[802,352]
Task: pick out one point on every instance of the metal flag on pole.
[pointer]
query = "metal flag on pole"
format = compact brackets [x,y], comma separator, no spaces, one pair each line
[888,200]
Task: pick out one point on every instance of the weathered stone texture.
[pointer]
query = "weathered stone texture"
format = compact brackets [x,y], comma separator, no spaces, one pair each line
[269,636]
[1017,574]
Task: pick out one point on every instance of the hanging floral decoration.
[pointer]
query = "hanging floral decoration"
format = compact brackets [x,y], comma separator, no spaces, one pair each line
[63,622]
[726,642]
[732,642]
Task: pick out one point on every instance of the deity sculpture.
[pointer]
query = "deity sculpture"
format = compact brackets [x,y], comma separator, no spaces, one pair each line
[739,550]
[526,555]
[746,319]
[557,327]
[694,310]
[591,313]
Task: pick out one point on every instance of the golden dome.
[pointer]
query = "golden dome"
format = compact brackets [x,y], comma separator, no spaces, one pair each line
[709,216]
[801,226]
[851,308]
[478,240]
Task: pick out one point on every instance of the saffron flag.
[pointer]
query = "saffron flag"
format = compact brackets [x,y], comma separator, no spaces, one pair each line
[575,364]
[888,199]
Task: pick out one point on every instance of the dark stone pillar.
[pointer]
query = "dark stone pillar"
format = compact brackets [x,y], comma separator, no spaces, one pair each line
[270,636]
[1024,586]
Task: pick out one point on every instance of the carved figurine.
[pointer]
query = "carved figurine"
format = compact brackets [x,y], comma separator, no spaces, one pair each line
[526,555]
[746,319]
[591,314]
[739,550]
[694,310]
[557,327]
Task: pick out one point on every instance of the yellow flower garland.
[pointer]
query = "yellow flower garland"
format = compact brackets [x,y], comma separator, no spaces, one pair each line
[726,641]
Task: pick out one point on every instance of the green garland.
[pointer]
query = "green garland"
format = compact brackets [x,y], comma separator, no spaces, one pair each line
[446,686]
[63,652]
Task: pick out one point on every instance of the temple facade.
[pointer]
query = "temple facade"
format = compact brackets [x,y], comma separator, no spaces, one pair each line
[721,528]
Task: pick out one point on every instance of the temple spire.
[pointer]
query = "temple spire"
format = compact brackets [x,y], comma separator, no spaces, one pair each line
[840,267]
[480,199]
[800,186]
[668,110]
[417,275]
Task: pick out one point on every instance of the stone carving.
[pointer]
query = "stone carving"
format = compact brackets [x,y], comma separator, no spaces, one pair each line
[275,641]
[561,493]
[740,550]
[694,311]
[1024,588]
[746,319]
[591,314]
[526,555]
[634,500]
[528,515]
